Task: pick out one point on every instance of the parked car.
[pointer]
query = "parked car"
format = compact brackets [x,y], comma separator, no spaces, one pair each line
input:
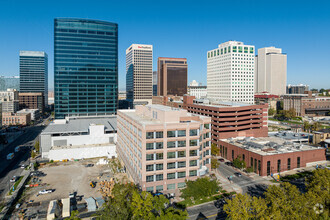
[222,160]
[18,205]
[45,191]
[14,179]
[23,166]
[229,163]
[238,174]
[89,165]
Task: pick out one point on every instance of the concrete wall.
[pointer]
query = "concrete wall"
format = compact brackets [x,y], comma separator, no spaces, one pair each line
[82,152]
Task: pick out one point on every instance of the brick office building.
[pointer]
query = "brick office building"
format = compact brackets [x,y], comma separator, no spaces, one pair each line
[271,155]
[32,101]
[9,118]
[231,119]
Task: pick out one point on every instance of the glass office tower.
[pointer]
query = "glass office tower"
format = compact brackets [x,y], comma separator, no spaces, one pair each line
[85,67]
[33,72]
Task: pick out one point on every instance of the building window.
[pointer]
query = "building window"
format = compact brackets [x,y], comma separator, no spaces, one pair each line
[150,189]
[268,168]
[240,49]
[226,152]
[298,162]
[182,144]
[193,173]
[159,177]
[150,156]
[159,166]
[159,156]
[244,157]
[193,163]
[150,135]
[255,165]
[171,165]
[181,164]
[251,162]
[207,126]
[193,132]
[181,133]
[182,174]
[234,48]
[232,154]
[181,154]
[278,166]
[150,178]
[193,143]
[289,163]
[171,144]
[150,167]
[150,146]
[181,185]
[170,155]
[170,134]
[170,186]
[159,134]
[159,145]
[259,166]
[159,188]
[170,176]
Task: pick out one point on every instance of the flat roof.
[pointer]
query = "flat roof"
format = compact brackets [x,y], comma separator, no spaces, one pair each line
[82,124]
[220,104]
[271,145]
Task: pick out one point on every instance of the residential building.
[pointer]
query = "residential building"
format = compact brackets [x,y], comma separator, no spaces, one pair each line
[9,82]
[139,74]
[230,119]
[230,72]
[79,138]
[197,90]
[32,101]
[9,100]
[35,113]
[154,83]
[172,76]
[273,101]
[296,89]
[271,155]
[9,118]
[161,147]
[307,104]
[33,71]
[270,71]
[86,67]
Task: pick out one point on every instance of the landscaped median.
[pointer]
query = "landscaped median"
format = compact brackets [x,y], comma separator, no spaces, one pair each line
[12,189]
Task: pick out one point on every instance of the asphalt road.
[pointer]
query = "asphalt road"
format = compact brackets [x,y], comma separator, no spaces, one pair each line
[10,168]
[205,211]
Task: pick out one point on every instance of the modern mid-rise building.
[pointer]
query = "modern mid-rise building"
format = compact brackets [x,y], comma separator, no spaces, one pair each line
[9,82]
[139,73]
[230,72]
[154,83]
[172,76]
[270,71]
[197,90]
[85,68]
[162,147]
[32,101]
[9,100]
[296,89]
[35,113]
[33,70]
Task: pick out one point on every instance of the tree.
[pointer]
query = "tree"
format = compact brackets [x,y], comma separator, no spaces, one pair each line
[37,146]
[74,215]
[291,113]
[33,154]
[214,163]
[271,111]
[239,163]
[214,150]
[322,90]
[200,188]
[307,126]
[316,126]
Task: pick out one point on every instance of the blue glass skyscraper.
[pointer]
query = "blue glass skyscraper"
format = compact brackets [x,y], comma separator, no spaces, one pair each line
[85,67]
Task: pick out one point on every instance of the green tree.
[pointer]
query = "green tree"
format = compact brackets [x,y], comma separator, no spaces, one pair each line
[214,163]
[33,154]
[74,215]
[200,188]
[239,163]
[214,150]
[37,146]
[307,126]
[316,126]
[271,111]
[322,91]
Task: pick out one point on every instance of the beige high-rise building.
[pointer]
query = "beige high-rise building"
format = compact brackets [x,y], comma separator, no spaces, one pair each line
[162,147]
[139,74]
[270,71]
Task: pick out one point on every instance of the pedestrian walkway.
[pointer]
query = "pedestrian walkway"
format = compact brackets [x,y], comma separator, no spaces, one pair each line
[227,185]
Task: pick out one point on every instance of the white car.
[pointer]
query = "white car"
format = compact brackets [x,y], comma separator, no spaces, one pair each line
[13,180]
[23,166]
[45,191]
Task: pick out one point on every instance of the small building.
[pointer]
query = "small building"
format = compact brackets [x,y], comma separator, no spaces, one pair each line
[273,101]
[321,137]
[9,118]
[91,204]
[35,113]
[80,137]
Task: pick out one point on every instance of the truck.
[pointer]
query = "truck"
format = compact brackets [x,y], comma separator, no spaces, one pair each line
[10,156]
[17,149]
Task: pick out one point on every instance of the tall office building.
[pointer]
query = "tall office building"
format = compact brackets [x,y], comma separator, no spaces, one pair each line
[139,74]
[33,69]
[270,71]
[85,67]
[172,76]
[9,82]
[154,83]
[230,72]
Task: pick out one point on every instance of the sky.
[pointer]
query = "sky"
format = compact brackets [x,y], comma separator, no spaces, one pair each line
[183,28]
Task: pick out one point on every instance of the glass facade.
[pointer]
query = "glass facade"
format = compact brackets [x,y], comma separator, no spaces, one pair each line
[85,67]
[33,72]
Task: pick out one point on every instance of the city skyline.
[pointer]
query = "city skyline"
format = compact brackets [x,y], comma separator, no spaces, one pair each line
[190,33]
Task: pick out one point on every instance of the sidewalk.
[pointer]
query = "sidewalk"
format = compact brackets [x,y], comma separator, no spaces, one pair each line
[227,185]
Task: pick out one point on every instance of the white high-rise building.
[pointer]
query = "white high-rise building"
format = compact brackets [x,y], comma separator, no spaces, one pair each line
[139,74]
[230,72]
[270,71]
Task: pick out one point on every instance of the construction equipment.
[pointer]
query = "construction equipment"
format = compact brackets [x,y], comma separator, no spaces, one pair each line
[92,184]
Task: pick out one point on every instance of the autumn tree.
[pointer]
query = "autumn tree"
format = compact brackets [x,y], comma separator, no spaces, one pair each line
[214,150]
[200,188]
[271,111]
[239,163]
